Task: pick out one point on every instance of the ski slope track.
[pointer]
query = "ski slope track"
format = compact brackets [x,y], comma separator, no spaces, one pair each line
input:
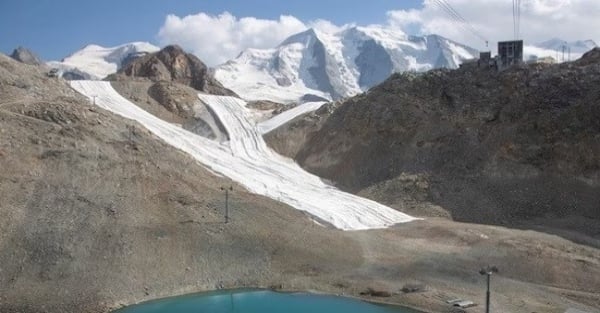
[247,160]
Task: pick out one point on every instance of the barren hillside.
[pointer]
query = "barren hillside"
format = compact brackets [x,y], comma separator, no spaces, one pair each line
[97,213]
[520,147]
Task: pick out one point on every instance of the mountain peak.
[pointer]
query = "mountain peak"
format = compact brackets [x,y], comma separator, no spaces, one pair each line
[96,62]
[26,56]
[173,49]
[172,63]
[335,65]
[304,37]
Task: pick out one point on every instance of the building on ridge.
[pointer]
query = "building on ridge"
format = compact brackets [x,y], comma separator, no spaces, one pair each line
[510,53]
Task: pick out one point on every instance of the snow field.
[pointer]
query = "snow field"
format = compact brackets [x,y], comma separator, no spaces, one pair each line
[97,62]
[247,160]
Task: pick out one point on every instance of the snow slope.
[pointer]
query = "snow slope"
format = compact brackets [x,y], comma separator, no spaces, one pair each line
[247,160]
[96,62]
[286,116]
[337,65]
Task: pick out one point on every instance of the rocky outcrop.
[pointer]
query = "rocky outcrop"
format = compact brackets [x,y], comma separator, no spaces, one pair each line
[493,147]
[174,65]
[26,56]
[589,58]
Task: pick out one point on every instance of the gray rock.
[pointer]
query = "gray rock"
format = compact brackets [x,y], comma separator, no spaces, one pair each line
[174,65]
[26,56]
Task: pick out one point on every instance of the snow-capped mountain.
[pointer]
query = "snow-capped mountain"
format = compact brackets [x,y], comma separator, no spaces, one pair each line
[313,64]
[96,62]
[554,48]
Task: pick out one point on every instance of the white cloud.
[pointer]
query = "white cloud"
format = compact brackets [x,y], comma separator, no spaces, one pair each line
[216,39]
[327,26]
[540,20]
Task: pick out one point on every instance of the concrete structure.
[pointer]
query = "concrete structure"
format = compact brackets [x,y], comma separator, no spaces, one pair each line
[485,56]
[510,53]
[486,60]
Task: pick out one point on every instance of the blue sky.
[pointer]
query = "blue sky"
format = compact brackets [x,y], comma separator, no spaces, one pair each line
[56,28]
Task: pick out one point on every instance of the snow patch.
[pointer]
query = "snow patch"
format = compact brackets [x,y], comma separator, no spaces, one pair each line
[97,62]
[286,116]
[247,160]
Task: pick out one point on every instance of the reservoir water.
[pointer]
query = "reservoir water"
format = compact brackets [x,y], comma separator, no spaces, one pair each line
[260,302]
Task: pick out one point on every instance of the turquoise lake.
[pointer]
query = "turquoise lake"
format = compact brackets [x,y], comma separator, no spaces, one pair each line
[260,302]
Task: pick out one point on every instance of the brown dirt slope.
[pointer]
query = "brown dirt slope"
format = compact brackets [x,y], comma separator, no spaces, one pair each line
[96,211]
[518,146]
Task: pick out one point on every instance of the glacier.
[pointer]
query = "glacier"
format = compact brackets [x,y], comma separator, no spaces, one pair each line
[246,159]
[97,62]
[334,66]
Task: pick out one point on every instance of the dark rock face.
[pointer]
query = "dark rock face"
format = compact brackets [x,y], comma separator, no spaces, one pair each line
[174,64]
[319,72]
[493,147]
[24,55]
[373,73]
[72,75]
[324,69]
[311,98]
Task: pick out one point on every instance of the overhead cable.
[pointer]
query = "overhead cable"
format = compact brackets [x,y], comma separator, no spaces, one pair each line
[458,19]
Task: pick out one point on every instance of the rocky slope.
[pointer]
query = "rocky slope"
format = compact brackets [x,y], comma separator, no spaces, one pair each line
[166,83]
[519,146]
[175,65]
[97,213]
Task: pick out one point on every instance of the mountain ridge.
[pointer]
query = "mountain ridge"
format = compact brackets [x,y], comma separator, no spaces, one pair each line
[26,56]
[173,64]
[465,139]
[96,62]
[335,65]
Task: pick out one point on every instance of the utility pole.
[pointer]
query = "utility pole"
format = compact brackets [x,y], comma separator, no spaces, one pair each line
[227,190]
[488,270]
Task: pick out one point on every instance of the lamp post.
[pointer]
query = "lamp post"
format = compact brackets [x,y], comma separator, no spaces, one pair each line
[488,270]
[227,190]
